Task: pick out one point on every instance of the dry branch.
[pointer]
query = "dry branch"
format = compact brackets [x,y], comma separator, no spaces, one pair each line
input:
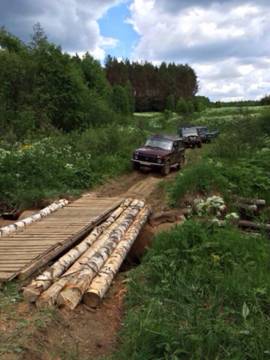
[103,280]
[44,280]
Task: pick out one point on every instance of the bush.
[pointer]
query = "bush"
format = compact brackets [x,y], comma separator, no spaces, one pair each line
[64,164]
[202,177]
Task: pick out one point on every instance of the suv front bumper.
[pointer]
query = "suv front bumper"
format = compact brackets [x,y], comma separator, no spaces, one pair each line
[147,163]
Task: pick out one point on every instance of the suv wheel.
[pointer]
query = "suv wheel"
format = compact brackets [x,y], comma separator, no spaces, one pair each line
[136,166]
[166,169]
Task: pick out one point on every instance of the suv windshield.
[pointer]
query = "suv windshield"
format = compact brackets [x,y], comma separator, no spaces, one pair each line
[189,132]
[158,143]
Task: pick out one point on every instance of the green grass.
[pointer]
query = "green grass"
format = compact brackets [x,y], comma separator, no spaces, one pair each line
[200,293]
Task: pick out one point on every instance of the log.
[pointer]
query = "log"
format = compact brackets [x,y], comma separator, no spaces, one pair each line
[79,281]
[250,201]
[247,207]
[6,230]
[253,226]
[44,280]
[103,280]
[49,296]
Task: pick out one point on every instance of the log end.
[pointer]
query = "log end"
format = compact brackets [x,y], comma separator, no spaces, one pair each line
[91,299]
[44,303]
[69,298]
[31,294]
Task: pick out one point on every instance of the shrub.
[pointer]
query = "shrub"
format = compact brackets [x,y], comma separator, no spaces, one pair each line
[202,177]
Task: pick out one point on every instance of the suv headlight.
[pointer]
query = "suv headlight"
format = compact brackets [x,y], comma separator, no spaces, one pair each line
[136,156]
[159,160]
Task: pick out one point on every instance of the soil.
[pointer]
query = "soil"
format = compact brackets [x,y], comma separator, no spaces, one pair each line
[85,333]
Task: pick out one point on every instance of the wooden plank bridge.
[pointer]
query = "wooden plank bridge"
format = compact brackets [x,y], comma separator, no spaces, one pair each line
[23,252]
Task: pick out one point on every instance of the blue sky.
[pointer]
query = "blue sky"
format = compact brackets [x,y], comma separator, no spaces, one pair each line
[227,42]
[114,24]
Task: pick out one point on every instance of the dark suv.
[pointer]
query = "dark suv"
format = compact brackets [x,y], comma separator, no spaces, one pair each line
[160,151]
[205,134]
[191,137]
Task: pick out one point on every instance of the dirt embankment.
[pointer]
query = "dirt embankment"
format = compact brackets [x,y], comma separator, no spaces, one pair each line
[85,333]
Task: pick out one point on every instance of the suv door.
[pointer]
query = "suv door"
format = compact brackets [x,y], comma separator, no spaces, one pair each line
[179,152]
[175,153]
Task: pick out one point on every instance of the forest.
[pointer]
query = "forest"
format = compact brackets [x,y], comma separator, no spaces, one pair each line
[154,88]
[43,88]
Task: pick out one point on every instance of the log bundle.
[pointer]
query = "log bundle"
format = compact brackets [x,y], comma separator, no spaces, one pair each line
[6,230]
[87,270]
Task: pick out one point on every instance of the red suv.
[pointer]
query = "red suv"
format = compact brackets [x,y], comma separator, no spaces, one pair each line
[160,151]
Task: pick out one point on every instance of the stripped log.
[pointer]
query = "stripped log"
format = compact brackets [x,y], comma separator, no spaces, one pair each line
[103,280]
[49,297]
[250,201]
[44,280]
[6,230]
[252,208]
[253,226]
[79,281]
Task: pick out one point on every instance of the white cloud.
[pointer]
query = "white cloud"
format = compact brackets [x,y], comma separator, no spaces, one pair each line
[227,42]
[73,24]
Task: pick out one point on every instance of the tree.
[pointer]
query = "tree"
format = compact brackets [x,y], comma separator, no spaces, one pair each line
[170,102]
[182,107]
[265,100]
[190,106]
[120,99]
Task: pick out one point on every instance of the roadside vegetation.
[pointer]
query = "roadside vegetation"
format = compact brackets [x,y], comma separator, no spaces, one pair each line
[202,291]
[66,122]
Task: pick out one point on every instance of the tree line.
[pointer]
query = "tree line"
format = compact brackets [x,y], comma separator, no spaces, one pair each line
[44,89]
[155,88]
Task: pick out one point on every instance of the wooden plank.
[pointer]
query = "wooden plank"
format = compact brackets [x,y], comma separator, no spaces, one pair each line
[53,252]
[32,243]
[46,239]
[6,275]
[19,256]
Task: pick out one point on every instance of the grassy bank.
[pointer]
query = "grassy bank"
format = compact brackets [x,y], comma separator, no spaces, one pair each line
[200,293]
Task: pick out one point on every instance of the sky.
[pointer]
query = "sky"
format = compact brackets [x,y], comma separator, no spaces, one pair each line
[227,42]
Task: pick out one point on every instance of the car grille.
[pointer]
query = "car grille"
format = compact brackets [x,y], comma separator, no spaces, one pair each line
[147,158]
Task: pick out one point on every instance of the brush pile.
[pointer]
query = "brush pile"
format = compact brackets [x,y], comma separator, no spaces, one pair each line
[246,215]
[86,271]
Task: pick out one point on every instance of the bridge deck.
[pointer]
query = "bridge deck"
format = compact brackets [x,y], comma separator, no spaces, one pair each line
[24,252]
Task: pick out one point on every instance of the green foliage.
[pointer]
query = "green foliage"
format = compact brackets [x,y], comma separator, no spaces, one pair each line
[43,88]
[170,103]
[182,107]
[237,162]
[202,177]
[265,100]
[200,293]
[201,103]
[121,99]
[155,88]
[64,164]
